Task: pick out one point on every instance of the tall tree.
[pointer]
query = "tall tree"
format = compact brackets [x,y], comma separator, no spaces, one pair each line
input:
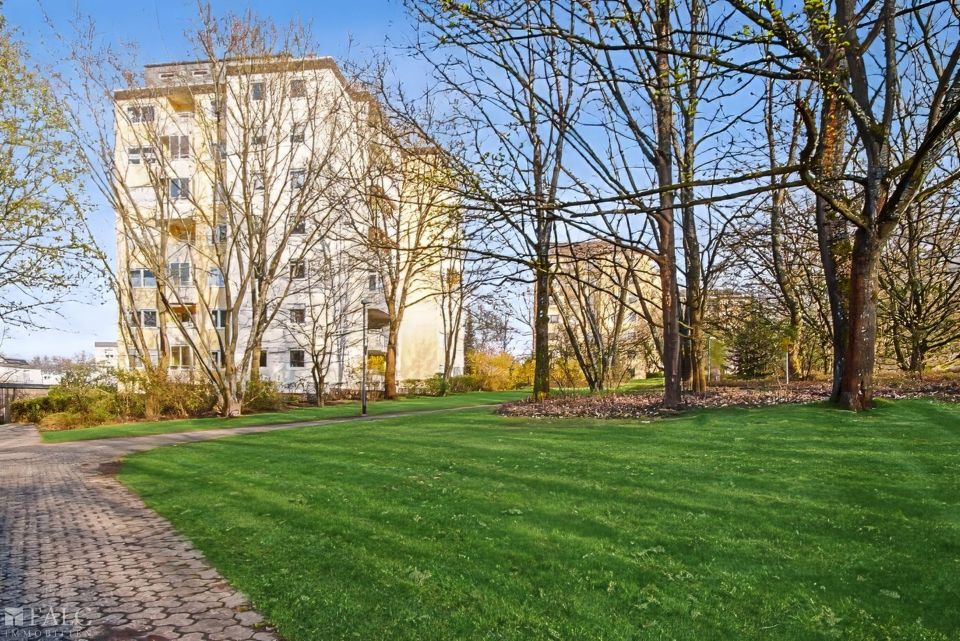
[45,246]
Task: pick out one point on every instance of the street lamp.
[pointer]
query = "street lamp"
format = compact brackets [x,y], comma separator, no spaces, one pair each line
[363,377]
[709,357]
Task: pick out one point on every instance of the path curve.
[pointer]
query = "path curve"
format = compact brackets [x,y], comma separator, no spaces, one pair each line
[82,557]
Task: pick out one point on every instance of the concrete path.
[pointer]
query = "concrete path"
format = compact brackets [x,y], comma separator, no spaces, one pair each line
[81,557]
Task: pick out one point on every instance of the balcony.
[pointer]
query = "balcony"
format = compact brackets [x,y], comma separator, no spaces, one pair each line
[377,343]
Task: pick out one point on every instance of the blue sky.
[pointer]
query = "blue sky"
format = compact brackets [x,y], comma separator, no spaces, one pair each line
[342,28]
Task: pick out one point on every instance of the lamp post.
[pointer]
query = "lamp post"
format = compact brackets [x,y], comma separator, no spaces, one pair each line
[709,357]
[363,377]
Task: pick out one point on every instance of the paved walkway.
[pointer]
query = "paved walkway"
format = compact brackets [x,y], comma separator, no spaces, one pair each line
[83,558]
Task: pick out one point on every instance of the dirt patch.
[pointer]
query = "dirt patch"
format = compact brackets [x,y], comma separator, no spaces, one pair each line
[647,404]
[110,468]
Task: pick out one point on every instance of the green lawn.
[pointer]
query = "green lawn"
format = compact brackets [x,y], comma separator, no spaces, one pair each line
[789,523]
[339,410]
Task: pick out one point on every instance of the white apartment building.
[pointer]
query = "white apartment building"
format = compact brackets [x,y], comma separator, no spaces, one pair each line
[239,207]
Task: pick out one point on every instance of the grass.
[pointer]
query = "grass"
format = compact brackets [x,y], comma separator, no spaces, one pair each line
[339,410]
[784,523]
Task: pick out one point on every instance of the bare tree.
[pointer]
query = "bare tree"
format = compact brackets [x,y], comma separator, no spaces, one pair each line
[225,174]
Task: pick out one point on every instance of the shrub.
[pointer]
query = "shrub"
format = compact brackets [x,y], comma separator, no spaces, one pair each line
[436,386]
[63,421]
[263,396]
[465,383]
[32,410]
[494,372]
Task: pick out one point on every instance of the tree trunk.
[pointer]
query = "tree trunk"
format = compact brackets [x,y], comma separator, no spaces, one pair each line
[667,246]
[390,364]
[231,404]
[856,382]
[541,332]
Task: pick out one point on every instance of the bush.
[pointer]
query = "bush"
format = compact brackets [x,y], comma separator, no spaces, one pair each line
[32,410]
[263,396]
[63,421]
[465,383]
[495,372]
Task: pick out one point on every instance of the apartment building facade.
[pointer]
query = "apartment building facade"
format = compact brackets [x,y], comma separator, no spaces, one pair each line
[244,222]
[602,305]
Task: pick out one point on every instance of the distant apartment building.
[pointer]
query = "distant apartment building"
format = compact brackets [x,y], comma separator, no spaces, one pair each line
[245,210]
[604,298]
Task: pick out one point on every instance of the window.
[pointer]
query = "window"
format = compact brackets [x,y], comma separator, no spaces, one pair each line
[298,315]
[298,178]
[142,279]
[218,236]
[166,76]
[297,358]
[143,318]
[136,155]
[184,316]
[263,357]
[215,278]
[179,274]
[214,107]
[134,361]
[257,180]
[554,318]
[176,146]
[218,150]
[259,138]
[199,72]
[299,227]
[216,357]
[256,91]
[179,188]
[180,357]
[141,114]
[296,133]
[373,281]
[298,269]
[219,317]
[298,88]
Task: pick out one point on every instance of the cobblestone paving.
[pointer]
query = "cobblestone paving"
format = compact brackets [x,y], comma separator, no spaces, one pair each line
[84,558]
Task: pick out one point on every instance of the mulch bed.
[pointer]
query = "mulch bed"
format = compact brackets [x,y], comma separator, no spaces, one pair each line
[647,404]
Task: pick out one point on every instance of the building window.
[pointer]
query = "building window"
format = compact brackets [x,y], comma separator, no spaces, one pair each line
[143,318]
[373,281]
[134,361]
[259,138]
[298,315]
[297,358]
[216,357]
[299,227]
[218,236]
[136,155]
[184,316]
[179,188]
[554,318]
[219,317]
[263,358]
[141,114]
[142,279]
[215,278]
[256,91]
[177,147]
[257,180]
[298,178]
[298,88]
[296,133]
[179,274]
[298,269]
[180,357]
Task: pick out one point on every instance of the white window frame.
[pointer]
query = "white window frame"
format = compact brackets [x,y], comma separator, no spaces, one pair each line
[257,90]
[219,318]
[182,188]
[181,351]
[303,358]
[138,278]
